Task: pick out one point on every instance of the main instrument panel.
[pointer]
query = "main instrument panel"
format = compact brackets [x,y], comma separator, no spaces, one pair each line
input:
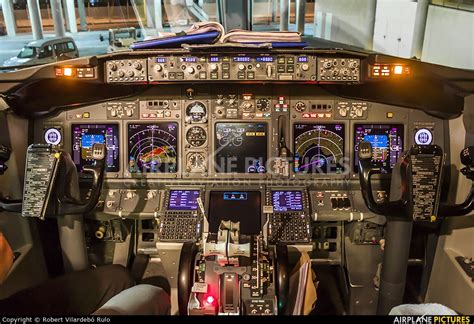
[249,137]
[203,131]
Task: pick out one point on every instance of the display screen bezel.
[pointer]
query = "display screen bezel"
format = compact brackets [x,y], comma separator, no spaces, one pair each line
[254,221]
[195,206]
[117,159]
[355,158]
[275,210]
[266,151]
[177,149]
[342,172]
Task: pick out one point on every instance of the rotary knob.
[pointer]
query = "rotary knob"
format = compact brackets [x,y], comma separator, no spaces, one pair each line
[137,66]
[343,112]
[190,70]
[305,66]
[130,73]
[213,67]
[151,194]
[327,64]
[241,67]
[121,73]
[158,68]
[353,64]
[113,67]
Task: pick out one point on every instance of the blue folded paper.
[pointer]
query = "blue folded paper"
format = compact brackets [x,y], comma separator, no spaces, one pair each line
[177,41]
[204,38]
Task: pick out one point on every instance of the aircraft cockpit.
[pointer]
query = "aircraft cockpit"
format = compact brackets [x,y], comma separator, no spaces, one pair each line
[244,181]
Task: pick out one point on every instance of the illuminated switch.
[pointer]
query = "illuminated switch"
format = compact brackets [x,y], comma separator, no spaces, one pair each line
[306,115]
[79,116]
[390,115]
[86,115]
[320,115]
[327,115]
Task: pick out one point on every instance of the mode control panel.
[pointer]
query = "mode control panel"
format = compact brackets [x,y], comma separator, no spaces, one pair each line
[232,67]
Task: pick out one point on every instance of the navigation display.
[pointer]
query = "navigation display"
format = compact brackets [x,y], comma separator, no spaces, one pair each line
[153,148]
[240,147]
[183,200]
[386,141]
[236,206]
[319,148]
[86,135]
[287,201]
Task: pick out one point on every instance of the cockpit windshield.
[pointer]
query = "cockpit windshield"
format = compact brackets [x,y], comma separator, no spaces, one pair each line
[426,30]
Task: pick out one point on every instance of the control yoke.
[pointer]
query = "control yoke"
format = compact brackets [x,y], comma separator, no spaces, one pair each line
[419,175]
[52,184]
[467,159]
[365,172]
[417,179]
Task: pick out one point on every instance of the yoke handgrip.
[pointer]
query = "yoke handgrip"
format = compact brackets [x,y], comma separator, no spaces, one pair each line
[388,208]
[97,171]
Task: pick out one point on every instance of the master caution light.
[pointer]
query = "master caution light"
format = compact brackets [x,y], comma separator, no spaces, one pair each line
[75,72]
[390,70]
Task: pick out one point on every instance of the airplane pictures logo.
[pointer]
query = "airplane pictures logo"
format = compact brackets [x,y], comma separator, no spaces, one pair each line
[431,319]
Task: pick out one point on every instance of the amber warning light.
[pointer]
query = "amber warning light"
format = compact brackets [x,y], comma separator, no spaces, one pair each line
[75,72]
[390,70]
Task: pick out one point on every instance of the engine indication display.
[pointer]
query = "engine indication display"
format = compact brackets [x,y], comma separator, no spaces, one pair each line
[319,148]
[153,148]
[386,141]
[84,136]
[240,147]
